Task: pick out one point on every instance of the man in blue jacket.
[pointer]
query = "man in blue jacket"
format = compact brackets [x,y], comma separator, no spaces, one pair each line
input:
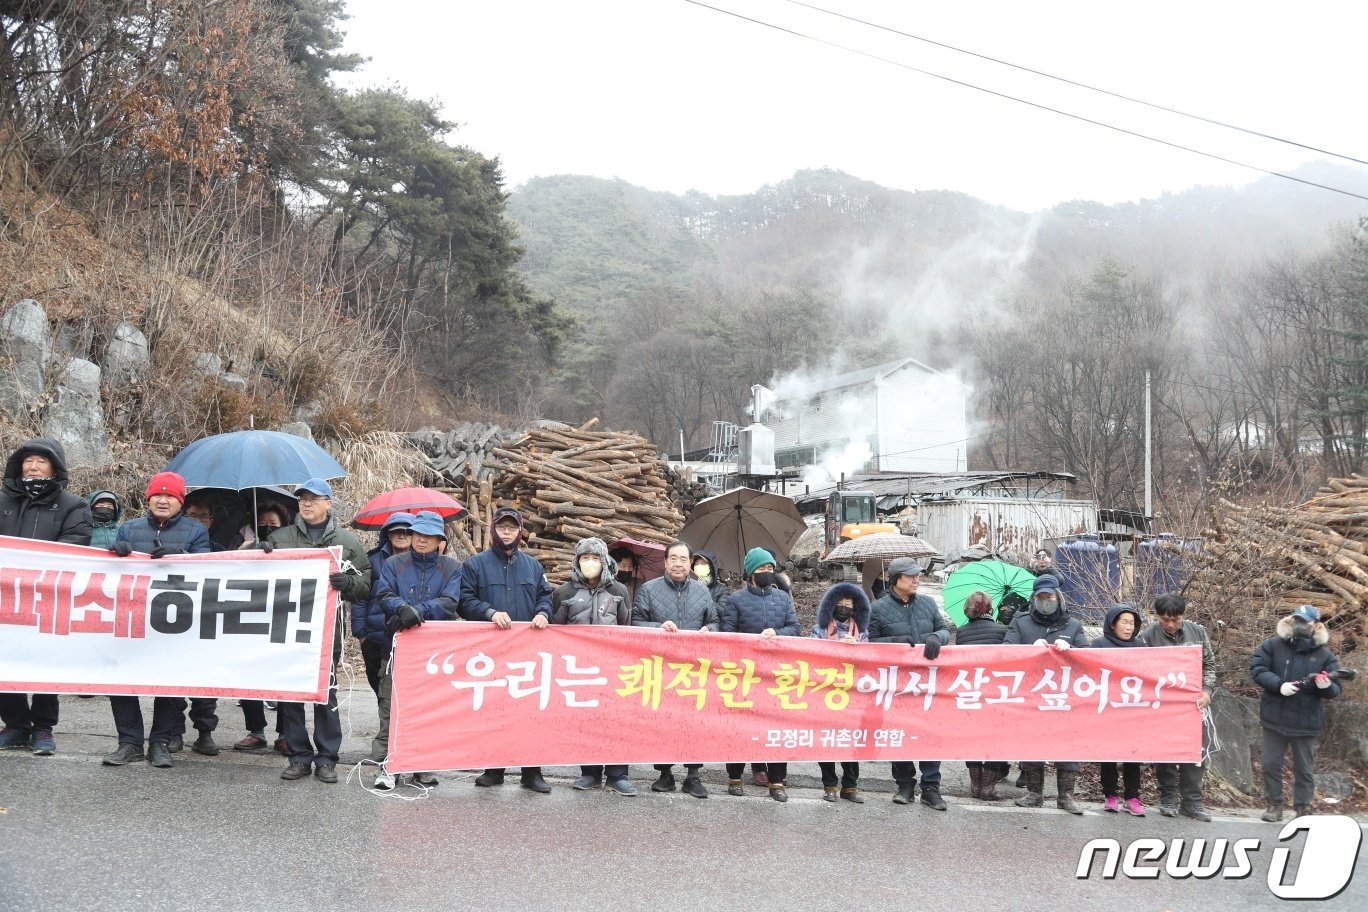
[164,530]
[501,585]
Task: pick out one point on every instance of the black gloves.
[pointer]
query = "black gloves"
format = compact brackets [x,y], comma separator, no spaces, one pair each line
[931,648]
[159,552]
[405,617]
[121,548]
[266,546]
[339,581]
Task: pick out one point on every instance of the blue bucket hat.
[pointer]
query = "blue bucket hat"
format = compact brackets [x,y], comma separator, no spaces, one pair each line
[316,486]
[397,521]
[428,523]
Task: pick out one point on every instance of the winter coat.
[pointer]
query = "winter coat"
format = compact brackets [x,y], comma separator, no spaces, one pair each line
[717,589]
[983,631]
[688,604]
[1278,660]
[515,585]
[1108,639]
[55,516]
[1028,626]
[429,582]
[825,609]
[179,535]
[102,534]
[1190,634]
[894,621]
[296,535]
[751,609]
[367,614]
[577,602]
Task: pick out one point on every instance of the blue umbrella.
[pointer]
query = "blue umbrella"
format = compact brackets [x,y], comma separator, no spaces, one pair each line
[253,459]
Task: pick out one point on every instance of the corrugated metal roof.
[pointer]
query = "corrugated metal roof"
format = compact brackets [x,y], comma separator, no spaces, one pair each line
[867,375]
[891,490]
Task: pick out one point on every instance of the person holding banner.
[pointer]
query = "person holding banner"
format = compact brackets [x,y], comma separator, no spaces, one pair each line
[760,607]
[1119,631]
[164,530]
[843,617]
[316,527]
[594,596]
[903,616]
[368,615]
[981,630]
[35,504]
[418,584]
[1047,623]
[105,510]
[674,602]
[270,517]
[501,585]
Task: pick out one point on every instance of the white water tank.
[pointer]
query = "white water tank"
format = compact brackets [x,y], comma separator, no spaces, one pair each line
[755,450]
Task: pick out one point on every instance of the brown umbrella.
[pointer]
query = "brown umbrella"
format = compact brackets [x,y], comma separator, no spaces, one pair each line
[881,546]
[731,524]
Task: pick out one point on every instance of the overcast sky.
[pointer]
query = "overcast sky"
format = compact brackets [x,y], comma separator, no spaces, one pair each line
[672,96]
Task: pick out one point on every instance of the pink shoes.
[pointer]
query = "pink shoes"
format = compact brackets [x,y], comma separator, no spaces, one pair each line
[1135,808]
[1113,804]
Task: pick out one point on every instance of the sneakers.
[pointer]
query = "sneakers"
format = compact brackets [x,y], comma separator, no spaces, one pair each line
[665,782]
[490,778]
[1169,810]
[1195,811]
[126,753]
[1298,810]
[326,772]
[905,793]
[585,783]
[1273,814]
[931,797]
[622,787]
[426,780]
[44,745]
[694,787]
[384,781]
[734,788]
[205,745]
[14,737]
[1113,804]
[251,743]
[175,744]
[295,771]
[159,755]
[1134,807]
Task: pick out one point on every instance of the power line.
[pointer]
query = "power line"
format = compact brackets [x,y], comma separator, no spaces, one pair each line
[1078,84]
[1033,104]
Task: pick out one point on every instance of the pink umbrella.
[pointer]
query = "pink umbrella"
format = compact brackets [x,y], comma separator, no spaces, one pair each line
[378,509]
[650,557]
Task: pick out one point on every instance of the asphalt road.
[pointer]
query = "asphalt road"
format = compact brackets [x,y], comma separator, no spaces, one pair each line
[227,833]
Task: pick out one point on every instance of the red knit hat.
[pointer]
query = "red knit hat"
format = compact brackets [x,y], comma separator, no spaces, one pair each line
[167,483]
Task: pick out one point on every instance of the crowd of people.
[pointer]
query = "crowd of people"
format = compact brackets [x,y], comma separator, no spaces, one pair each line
[408,578]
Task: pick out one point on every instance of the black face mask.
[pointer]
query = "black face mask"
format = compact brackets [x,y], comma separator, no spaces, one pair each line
[763,579]
[102,515]
[264,532]
[843,613]
[625,576]
[37,487]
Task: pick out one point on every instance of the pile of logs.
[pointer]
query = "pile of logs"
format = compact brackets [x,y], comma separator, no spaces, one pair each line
[570,484]
[1271,559]
[685,491]
[461,454]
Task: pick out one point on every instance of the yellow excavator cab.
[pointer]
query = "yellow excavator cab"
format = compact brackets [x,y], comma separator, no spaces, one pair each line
[849,515]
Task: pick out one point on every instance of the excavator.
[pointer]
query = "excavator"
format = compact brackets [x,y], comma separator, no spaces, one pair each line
[851,514]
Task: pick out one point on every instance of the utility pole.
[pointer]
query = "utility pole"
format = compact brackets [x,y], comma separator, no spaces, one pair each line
[1149,467]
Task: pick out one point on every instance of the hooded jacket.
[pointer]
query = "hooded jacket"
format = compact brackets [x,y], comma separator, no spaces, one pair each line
[751,609]
[826,608]
[603,602]
[1109,639]
[296,535]
[57,515]
[102,534]
[1284,658]
[367,614]
[509,581]
[1029,626]
[1190,634]
[913,622]
[429,582]
[687,603]
[716,588]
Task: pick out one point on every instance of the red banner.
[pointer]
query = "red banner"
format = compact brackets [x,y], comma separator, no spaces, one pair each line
[469,695]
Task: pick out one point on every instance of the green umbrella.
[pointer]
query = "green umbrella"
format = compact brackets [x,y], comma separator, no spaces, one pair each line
[993,577]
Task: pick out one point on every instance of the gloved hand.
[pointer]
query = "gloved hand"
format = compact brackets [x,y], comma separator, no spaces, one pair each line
[408,616]
[391,625]
[931,648]
[266,546]
[1323,681]
[1040,642]
[1290,689]
[158,553]
[121,548]
[339,580]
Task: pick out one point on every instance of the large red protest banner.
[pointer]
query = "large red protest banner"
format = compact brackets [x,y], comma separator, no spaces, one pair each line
[232,624]
[470,695]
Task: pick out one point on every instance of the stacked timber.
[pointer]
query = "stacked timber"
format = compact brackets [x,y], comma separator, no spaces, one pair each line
[461,454]
[574,483]
[685,490]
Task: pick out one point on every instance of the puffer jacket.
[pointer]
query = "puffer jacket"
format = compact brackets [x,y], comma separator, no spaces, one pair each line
[1286,658]
[822,630]
[982,631]
[429,582]
[688,604]
[515,585]
[179,535]
[751,609]
[102,535]
[912,622]
[1028,626]
[603,601]
[56,516]
[367,614]
[296,535]
[716,588]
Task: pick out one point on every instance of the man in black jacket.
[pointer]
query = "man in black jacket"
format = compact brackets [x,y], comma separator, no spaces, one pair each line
[35,504]
[1293,668]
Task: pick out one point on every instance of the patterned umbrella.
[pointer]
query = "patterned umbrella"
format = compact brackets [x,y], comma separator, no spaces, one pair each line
[882,546]
[996,578]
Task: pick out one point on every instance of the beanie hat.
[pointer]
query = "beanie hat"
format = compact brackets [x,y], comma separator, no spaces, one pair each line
[755,559]
[168,483]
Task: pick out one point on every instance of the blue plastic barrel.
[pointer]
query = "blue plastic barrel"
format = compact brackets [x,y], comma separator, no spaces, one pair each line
[1089,572]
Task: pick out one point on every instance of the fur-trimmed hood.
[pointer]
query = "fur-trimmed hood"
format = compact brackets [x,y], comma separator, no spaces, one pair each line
[1319,635]
[834,595]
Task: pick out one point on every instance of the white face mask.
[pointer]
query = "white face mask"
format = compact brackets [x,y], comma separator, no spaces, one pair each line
[591,567]
[703,572]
